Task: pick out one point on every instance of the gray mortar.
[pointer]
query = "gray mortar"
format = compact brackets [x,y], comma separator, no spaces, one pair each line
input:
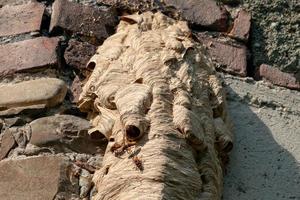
[275,34]
[264,163]
[86,2]
[13,2]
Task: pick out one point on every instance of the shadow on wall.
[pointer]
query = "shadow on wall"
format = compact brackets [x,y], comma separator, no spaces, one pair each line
[257,48]
[260,168]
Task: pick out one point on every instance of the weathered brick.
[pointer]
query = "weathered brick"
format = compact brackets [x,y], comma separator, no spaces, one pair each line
[278,77]
[205,13]
[231,57]
[37,178]
[27,55]
[82,20]
[241,26]
[78,54]
[21,19]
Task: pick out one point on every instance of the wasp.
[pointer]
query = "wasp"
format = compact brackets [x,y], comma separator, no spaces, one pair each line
[138,163]
[119,149]
[115,147]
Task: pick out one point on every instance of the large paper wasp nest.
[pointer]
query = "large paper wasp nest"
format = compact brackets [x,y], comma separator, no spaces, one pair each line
[156,97]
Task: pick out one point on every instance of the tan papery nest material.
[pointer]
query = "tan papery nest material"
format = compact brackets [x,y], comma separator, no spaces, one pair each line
[157,99]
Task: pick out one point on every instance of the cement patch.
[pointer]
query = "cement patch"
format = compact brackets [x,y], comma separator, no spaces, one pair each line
[264,163]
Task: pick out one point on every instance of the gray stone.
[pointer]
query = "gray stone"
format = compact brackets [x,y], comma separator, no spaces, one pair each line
[95,161]
[32,150]
[38,178]
[1,124]
[7,142]
[46,92]
[23,110]
[13,2]
[76,89]
[21,135]
[64,133]
[85,183]
[14,121]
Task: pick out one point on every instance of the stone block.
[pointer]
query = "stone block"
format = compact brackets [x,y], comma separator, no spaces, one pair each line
[37,178]
[45,92]
[241,26]
[76,89]
[7,142]
[78,54]
[232,58]
[278,77]
[206,13]
[64,132]
[20,19]
[82,20]
[33,54]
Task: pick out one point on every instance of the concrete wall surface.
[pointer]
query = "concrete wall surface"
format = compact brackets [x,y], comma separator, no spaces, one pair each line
[264,163]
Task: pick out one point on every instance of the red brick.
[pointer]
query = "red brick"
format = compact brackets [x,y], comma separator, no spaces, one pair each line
[78,54]
[21,19]
[278,77]
[241,26]
[231,57]
[27,55]
[82,20]
[205,13]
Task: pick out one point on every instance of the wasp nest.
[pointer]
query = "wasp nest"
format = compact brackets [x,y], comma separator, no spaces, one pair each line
[157,99]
